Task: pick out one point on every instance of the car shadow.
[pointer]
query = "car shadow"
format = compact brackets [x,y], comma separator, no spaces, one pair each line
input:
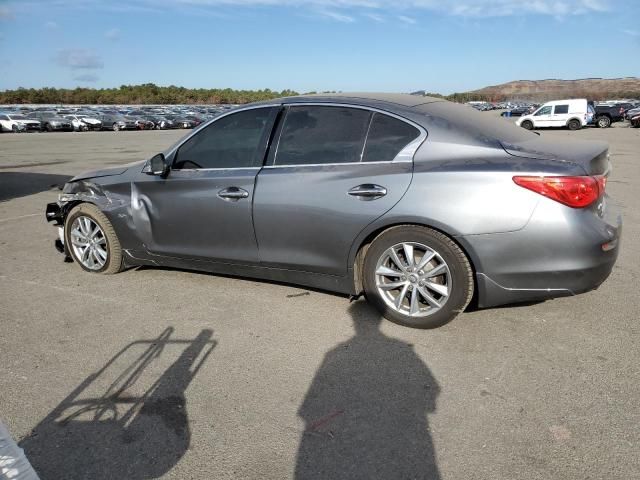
[128,420]
[365,412]
[21,184]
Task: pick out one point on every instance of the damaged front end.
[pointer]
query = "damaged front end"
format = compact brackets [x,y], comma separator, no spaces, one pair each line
[73,193]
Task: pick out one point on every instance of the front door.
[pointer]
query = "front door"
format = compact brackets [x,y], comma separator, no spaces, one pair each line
[542,118]
[332,172]
[203,208]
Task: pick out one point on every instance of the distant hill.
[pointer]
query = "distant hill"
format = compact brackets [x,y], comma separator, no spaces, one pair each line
[550,89]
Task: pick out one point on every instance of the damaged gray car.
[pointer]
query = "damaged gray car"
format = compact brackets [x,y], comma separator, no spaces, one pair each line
[419,203]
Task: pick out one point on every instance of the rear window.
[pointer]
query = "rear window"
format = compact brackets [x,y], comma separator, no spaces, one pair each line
[561,109]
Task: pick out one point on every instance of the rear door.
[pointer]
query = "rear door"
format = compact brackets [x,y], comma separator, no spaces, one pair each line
[331,171]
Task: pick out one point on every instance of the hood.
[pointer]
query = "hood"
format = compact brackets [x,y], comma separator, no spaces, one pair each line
[107,172]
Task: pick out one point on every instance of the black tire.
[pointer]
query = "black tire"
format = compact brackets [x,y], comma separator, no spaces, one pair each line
[14,128]
[115,127]
[114,262]
[603,121]
[48,127]
[461,273]
[574,124]
[527,125]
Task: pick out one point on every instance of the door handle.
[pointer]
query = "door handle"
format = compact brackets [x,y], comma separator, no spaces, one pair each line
[368,191]
[233,194]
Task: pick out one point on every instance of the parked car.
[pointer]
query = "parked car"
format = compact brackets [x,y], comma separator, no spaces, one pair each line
[16,122]
[415,201]
[51,121]
[181,121]
[573,114]
[605,115]
[116,122]
[634,118]
[82,123]
[516,112]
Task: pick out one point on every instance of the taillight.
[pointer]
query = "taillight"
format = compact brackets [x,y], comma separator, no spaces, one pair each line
[575,192]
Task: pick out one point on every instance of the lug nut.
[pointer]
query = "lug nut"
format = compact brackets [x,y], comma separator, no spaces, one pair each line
[410,287]
[420,273]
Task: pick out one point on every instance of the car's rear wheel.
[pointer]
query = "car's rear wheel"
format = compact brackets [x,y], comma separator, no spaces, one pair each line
[115,127]
[574,124]
[92,241]
[603,122]
[48,127]
[527,124]
[14,128]
[417,277]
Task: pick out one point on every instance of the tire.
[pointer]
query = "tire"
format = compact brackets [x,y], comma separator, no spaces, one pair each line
[14,128]
[527,125]
[115,127]
[574,124]
[113,262]
[48,127]
[603,121]
[456,277]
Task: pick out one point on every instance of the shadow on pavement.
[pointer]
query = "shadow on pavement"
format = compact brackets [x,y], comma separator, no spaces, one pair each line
[366,409]
[128,420]
[21,184]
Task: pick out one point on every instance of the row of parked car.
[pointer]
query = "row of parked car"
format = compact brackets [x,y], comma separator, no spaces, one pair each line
[576,113]
[79,119]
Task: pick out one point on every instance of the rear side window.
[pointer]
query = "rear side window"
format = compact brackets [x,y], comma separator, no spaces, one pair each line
[230,142]
[561,109]
[314,135]
[387,137]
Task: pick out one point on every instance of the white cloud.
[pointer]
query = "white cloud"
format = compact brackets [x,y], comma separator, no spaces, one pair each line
[338,17]
[79,58]
[113,34]
[407,20]
[51,25]
[633,33]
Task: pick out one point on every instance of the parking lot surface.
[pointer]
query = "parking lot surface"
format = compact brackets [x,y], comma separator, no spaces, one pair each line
[163,373]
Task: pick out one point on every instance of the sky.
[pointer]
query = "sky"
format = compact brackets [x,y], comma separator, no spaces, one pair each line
[440,46]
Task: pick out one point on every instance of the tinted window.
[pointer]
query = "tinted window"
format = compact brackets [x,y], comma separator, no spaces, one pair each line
[3,117]
[561,109]
[230,142]
[387,136]
[317,135]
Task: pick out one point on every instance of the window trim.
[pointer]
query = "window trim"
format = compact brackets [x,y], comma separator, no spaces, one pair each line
[404,156]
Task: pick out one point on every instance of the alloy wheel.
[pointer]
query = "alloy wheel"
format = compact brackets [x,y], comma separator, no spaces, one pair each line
[89,243]
[413,279]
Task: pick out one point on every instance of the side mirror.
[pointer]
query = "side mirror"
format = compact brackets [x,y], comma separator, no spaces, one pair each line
[158,166]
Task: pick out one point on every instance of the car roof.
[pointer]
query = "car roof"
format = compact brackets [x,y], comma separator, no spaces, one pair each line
[365,99]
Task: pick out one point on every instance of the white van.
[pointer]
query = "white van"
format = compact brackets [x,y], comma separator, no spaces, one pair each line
[573,114]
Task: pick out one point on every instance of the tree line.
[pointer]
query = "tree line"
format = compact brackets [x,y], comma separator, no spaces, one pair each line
[147,93]
[150,93]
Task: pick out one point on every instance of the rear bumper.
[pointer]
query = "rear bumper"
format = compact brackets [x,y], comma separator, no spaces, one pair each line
[561,252]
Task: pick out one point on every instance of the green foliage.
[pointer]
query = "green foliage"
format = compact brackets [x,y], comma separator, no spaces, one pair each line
[147,93]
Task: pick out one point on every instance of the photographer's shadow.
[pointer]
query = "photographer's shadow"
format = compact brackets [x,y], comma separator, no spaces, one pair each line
[366,409]
[128,420]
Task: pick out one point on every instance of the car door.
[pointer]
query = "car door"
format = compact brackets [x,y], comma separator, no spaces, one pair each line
[203,208]
[542,118]
[332,170]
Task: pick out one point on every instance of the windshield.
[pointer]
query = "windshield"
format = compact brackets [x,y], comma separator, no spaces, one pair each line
[18,117]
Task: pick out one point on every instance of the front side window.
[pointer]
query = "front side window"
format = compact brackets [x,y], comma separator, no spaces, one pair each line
[559,109]
[544,111]
[313,135]
[230,142]
[387,137]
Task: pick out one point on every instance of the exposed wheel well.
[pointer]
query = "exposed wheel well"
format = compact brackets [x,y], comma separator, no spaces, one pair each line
[364,246]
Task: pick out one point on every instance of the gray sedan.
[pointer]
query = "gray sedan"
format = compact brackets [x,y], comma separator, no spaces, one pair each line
[421,204]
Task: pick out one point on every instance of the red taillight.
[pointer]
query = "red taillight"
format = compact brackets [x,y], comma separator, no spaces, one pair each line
[575,192]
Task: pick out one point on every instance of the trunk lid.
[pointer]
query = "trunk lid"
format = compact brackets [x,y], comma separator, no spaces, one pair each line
[591,156]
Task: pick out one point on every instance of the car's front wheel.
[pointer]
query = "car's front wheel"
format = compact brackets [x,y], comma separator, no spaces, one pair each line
[417,277]
[92,241]
[527,124]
